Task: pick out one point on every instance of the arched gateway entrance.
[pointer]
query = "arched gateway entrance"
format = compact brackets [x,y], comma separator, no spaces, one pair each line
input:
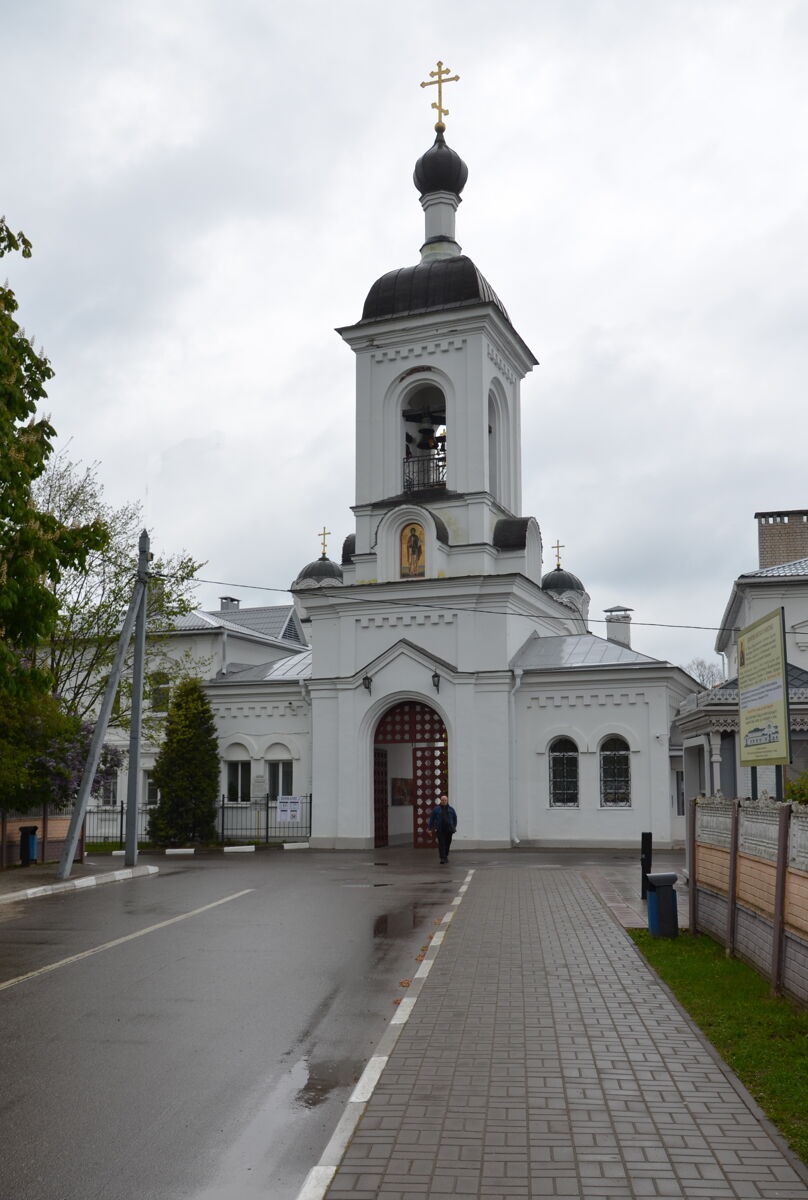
[410,771]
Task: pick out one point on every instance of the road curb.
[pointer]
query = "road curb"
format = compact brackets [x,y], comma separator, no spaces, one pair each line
[74,885]
[319,1178]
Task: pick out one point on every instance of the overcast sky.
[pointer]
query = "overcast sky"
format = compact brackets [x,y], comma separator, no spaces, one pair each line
[212,187]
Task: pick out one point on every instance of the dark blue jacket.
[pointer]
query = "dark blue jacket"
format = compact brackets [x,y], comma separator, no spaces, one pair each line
[439,812]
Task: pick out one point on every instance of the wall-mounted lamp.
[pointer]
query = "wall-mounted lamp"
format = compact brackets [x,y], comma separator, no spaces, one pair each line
[367,682]
[436,681]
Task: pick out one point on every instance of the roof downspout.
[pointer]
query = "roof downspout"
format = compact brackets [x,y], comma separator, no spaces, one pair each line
[514,771]
[224,652]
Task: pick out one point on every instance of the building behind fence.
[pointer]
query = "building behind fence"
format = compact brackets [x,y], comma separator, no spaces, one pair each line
[261,820]
[749,884]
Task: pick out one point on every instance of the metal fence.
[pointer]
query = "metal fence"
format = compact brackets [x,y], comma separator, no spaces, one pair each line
[262,819]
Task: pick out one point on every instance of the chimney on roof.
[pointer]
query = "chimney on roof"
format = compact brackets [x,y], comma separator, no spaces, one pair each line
[228,603]
[782,536]
[618,625]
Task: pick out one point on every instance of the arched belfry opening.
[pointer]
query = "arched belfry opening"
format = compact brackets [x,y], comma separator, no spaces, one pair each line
[410,771]
[424,439]
[494,447]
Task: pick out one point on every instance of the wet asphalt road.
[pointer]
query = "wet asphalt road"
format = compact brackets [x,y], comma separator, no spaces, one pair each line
[209,1058]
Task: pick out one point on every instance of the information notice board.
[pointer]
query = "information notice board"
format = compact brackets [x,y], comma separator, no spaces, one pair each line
[763,692]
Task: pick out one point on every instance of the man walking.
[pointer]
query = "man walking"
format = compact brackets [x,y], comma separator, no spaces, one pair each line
[443,821]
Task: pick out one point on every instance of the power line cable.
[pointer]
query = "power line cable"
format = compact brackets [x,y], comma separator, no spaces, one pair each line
[497,612]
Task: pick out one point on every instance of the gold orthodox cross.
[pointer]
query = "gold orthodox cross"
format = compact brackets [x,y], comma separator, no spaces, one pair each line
[440,77]
[558,547]
[323,534]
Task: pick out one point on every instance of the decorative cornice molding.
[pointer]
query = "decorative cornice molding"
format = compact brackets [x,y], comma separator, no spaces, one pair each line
[259,710]
[503,368]
[586,700]
[396,353]
[405,620]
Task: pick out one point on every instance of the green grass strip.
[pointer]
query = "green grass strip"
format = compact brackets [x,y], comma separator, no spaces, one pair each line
[763,1038]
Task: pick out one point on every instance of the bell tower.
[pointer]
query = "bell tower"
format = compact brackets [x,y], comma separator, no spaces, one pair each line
[441,583]
[438,372]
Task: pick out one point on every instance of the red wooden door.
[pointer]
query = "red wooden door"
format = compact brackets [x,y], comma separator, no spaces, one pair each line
[417,723]
[429,770]
[379,797]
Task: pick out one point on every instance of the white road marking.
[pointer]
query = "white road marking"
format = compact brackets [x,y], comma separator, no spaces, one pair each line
[130,937]
[319,1178]
[368,1079]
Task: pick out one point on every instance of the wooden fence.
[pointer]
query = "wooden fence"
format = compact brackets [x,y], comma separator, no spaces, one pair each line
[749,884]
[51,825]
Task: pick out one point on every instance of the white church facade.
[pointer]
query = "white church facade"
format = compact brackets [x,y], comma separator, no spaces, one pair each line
[440,655]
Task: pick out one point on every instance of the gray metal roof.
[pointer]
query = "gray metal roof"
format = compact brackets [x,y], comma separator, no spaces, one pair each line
[727,692]
[285,670]
[789,570]
[198,620]
[270,620]
[276,622]
[576,650]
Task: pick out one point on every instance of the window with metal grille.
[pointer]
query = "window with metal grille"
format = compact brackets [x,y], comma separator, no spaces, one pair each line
[280,779]
[615,774]
[564,773]
[238,782]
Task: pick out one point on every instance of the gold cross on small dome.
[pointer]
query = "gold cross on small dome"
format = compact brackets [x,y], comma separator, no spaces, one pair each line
[323,534]
[558,547]
[440,77]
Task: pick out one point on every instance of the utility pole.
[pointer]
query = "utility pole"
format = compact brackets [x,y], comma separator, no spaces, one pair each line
[137,605]
[138,670]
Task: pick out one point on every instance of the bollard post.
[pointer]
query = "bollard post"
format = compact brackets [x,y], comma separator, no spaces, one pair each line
[646,849]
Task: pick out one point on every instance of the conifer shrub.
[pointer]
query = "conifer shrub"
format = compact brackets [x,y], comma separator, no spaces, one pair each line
[186,771]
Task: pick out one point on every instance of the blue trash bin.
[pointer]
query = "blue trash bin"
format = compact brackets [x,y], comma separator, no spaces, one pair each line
[663,917]
[28,846]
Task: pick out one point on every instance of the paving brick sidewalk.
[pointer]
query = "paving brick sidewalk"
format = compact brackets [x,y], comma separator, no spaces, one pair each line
[543,1059]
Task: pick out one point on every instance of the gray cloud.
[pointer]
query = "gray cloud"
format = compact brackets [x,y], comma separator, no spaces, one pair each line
[211,191]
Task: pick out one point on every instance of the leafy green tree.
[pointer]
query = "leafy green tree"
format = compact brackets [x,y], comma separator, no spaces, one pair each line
[43,750]
[186,771]
[92,601]
[35,549]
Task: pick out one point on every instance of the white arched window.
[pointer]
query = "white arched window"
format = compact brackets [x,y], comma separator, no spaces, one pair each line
[494,435]
[615,773]
[563,773]
[237,770]
[279,770]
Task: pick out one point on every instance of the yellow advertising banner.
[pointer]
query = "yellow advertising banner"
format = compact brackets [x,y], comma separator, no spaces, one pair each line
[763,692]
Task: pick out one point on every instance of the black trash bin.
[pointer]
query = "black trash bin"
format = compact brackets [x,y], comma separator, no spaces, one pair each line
[28,844]
[663,918]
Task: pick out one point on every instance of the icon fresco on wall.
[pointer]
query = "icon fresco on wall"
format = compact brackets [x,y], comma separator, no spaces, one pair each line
[401,791]
[413,561]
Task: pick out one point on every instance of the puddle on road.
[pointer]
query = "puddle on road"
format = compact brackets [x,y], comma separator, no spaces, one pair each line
[404,921]
[324,1078]
[252,1167]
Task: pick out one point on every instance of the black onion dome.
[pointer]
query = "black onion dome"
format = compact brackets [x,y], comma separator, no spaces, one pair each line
[441,169]
[428,286]
[559,580]
[322,570]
